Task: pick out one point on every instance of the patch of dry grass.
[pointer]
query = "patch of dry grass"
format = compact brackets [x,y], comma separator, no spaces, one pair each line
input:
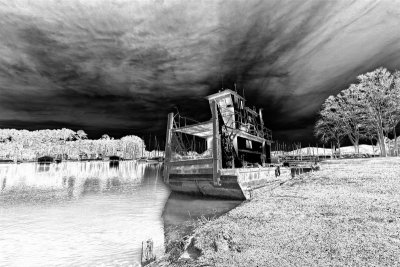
[347,214]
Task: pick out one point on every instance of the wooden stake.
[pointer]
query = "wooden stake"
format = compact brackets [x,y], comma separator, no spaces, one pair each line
[147,252]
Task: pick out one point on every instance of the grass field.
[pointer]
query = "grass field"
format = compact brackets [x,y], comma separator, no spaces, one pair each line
[347,214]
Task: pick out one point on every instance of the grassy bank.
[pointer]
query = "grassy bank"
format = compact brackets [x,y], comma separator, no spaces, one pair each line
[347,214]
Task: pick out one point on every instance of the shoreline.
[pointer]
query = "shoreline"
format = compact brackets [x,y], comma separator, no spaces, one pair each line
[68,160]
[345,214]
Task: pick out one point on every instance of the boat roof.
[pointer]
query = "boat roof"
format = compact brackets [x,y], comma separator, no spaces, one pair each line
[202,129]
[205,129]
[223,93]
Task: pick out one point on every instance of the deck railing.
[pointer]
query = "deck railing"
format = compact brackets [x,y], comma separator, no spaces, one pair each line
[254,128]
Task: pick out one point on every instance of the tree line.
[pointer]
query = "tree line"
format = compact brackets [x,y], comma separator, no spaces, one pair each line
[366,110]
[29,145]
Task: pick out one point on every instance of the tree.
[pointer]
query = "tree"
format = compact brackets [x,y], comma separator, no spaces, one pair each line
[392,113]
[132,145]
[81,135]
[329,127]
[329,131]
[377,92]
[342,116]
[352,114]
[369,109]
[105,137]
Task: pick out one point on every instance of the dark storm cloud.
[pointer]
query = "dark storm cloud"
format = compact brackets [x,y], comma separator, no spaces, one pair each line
[121,66]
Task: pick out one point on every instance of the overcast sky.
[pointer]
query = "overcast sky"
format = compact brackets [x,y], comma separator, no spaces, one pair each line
[119,67]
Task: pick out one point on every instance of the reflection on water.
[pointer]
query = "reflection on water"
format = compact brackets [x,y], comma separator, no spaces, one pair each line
[3,184]
[180,209]
[79,213]
[43,167]
[114,164]
[89,213]
[71,178]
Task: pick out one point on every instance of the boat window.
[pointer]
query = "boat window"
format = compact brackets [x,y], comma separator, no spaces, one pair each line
[249,144]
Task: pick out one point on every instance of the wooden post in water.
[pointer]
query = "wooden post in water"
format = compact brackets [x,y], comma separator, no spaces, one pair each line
[147,252]
[167,158]
[216,174]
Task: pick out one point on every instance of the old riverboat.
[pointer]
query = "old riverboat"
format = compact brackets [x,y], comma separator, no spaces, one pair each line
[235,157]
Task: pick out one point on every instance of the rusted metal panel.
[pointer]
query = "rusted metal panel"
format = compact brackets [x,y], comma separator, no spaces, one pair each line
[216,147]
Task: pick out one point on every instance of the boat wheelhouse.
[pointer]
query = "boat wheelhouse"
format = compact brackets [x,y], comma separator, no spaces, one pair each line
[235,157]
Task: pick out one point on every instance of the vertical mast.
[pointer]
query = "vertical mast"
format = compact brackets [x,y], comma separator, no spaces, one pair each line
[167,152]
[150,146]
[156,144]
[263,155]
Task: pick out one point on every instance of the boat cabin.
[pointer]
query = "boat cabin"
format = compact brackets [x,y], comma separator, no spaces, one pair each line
[45,159]
[235,137]
[115,158]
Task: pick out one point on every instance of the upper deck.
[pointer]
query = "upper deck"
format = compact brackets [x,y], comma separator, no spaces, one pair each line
[236,117]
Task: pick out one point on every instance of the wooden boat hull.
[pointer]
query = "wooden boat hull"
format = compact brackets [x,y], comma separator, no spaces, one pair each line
[234,183]
[235,138]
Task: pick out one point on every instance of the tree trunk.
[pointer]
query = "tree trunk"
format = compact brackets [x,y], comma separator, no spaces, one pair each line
[372,144]
[354,140]
[395,141]
[382,145]
[381,137]
[358,146]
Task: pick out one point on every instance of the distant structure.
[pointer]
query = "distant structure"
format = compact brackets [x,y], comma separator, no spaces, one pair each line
[114,161]
[46,159]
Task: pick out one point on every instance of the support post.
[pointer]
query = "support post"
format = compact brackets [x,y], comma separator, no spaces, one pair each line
[263,155]
[167,155]
[216,146]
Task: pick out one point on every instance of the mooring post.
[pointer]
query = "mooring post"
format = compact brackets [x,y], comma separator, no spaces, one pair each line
[167,158]
[147,255]
[216,148]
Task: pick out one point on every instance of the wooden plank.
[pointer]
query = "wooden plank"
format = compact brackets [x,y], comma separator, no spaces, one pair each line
[250,151]
[201,129]
[249,136]
[196,176]
[191,170]
[191,162]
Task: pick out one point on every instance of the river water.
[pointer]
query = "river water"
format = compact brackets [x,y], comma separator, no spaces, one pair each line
[89,213]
